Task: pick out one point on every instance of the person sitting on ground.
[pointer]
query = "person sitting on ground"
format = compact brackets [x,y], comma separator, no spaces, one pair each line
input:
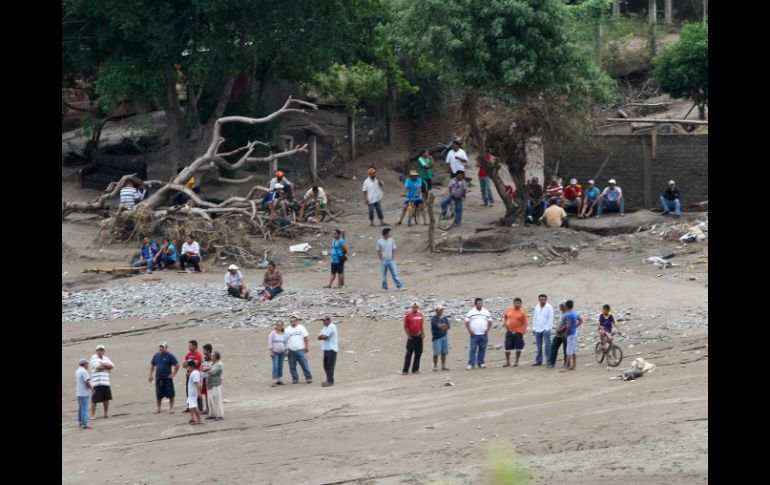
[535,200]
[457,190]
[235,285]
[275,198]
[607,324]
[147,251]
[272,282]
[610,199]
[314,194]
[129,195]
[555,216]
[670,200]
[572,196]
[191,254]
[591,194]
[280,179]
[413,194]
[554,193]
[166,257]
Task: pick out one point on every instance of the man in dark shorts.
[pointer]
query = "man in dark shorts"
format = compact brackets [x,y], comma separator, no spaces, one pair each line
[338,256]
[516,322]
[413,194]
[165,366]
[101,366]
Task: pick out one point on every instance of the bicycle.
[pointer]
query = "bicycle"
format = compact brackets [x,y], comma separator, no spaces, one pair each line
[411,213]
[446,220]
[613,352]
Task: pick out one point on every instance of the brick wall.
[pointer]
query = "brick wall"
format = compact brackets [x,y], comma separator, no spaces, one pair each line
[428,131]
[683,158]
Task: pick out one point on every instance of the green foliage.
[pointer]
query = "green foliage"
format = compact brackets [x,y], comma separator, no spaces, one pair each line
[682,68]
[507,49]
[504,468]
[352,85]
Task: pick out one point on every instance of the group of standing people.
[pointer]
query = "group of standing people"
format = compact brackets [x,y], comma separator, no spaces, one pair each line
[292,344]
[515,321]
[92,379]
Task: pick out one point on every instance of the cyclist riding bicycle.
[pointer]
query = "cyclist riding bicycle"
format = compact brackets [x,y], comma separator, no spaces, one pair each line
[607,324]
[413,195]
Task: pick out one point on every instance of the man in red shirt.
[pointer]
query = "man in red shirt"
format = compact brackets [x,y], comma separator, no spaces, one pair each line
[193,354]
[553,193]
[573,194]
[484,180]
[414,334]
[516,322]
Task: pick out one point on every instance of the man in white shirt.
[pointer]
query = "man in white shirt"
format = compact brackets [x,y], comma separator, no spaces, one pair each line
[610,199]
[191,254]
[235,285]
[542,321]
[296,343]
[456,158]
[317,194]
[101,366]
[129,196]
[330,348]
[373,196]
[478,322]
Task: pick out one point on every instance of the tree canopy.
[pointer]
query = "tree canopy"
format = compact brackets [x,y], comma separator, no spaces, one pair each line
[682,69]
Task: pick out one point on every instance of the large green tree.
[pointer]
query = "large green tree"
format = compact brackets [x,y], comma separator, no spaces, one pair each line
[682,69]
[135,49]
[515,55]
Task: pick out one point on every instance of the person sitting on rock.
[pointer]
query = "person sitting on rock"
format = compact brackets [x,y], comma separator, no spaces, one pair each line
[148,250]
[273,282]
[670,200]
[314,194]
[280,179]
[166,257]
[591,194]
[554,193]
[235,284]
[610,199]
[191,254]
[572,196]
[534,201]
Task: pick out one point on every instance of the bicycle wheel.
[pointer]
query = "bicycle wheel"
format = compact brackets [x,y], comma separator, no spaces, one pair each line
[614,355]
[447,218]
[599,352]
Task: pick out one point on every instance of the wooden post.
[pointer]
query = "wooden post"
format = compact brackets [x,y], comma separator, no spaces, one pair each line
[616,9]
[705,9]
[313,160]
[431,228]
[646,173]
[273,168]
[669,12]
[653,12]
[352,137]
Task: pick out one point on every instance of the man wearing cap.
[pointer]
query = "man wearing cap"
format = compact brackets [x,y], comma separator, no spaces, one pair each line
[101,366]
[386,251]
[283,181]
[439,327]
[456,158]
[414,336]
[591,194]
[328,338]
[670,200]
[83,390]
[610,199]
[373,195]
[413,194]
[457,189]
[573,194]
[296,343]
[166,366]
[234,281]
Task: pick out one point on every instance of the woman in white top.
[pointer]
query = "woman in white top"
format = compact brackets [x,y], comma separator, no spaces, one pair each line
[276,343]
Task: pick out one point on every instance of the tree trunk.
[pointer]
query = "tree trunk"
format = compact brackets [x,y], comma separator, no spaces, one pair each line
[352,137]
[175,122]
[470,109]
[514,154]
[390,109]
[702,111]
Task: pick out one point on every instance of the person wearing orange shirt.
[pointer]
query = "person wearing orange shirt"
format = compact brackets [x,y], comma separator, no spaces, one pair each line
[516,322]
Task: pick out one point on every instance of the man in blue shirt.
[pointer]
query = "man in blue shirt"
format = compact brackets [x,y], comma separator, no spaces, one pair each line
[147,253]
[329,346]
[439,325]
[573,320]
[413,194]
[165,366]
